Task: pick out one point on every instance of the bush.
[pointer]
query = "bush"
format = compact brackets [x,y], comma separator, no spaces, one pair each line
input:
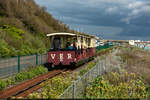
[13,31]
[33,71]
[90,65]
[4,49]
[10,81]
[53,88]
[24,75]
[2,84]
[83,71]
[31,75]
[21,76]
[115,85]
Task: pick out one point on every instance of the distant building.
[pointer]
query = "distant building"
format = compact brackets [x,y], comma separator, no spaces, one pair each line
[131,42]
[137,41]
[99,41]
[134,42]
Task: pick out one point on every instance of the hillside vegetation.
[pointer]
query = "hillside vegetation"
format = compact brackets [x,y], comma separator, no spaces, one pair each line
[23,28]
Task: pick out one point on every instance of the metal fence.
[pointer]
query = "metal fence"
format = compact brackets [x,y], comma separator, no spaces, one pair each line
[103,47]
[146,48]
[78,88]
[14,65]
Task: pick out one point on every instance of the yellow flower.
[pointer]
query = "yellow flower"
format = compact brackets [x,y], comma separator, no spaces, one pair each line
[102,81]
[30,95]
[19,98]
[38,96]
[133,75]
[13,97]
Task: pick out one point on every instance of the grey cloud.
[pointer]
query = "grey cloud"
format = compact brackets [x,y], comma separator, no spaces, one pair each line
[131,16]
[136,32]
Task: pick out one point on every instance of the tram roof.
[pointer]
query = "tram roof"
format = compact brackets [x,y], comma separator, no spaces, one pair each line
[71,34]
[53,34]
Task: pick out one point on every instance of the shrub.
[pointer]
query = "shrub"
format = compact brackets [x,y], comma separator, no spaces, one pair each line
[2,84]
[13,31]
[24,75]
[54,87]
[31,75]
[83,71]
[10,81]
[21,76]
[4,49]
[115,85]
[41,70]
[33,71]
[90,65]
[13,52]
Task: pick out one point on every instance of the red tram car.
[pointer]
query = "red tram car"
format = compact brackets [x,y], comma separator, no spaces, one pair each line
[69,48]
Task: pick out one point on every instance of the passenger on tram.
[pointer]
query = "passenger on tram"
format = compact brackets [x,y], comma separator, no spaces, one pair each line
[68,46]
[75,48]
[81,48]
[56,45]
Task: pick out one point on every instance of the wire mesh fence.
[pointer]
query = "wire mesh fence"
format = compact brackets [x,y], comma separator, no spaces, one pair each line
[78,88]
[14,65]
[8,67]
[42,59]
[103,47]
[144,47]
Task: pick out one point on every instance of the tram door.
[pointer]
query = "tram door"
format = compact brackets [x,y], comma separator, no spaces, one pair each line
[56,44]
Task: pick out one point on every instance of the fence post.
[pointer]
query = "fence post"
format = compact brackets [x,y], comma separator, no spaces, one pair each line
[97,69]
[100,68]
[73,91]
[103,65]
[36,59]
[18,63]
[84,82]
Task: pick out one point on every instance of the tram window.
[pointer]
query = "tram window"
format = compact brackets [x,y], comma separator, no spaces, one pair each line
[56,45]
[89,42]
[81,39]
[68,39]
[75,40]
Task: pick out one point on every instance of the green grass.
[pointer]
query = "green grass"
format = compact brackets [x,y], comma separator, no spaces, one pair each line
[24,75]
[88,67]
[2,84]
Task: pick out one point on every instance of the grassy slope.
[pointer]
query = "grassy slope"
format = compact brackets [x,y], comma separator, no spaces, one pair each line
[23,28]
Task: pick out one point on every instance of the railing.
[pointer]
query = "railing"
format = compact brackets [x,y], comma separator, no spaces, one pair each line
[103,47]
[143,47]
[10,66]
[78,88]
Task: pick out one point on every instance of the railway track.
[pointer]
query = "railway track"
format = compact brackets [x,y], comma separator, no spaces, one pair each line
[37,86]
[27,87]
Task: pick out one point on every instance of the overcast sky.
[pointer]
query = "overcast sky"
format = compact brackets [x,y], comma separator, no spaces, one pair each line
[110,19]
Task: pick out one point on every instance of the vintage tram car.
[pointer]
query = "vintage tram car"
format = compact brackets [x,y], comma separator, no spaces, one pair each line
[69,48]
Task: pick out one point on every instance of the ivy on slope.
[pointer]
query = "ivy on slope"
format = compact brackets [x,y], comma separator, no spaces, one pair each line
[13,31]
[16,42]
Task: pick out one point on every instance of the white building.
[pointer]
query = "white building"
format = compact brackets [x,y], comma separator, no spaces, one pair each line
[131,42]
